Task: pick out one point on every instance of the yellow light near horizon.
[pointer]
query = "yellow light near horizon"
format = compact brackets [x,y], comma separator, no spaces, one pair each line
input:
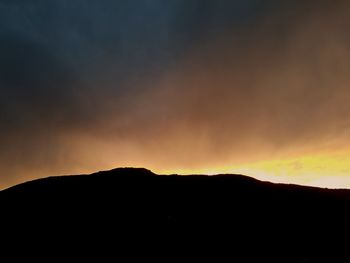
[321,170]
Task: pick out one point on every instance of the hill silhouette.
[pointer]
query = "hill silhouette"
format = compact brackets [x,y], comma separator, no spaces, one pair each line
[237,215]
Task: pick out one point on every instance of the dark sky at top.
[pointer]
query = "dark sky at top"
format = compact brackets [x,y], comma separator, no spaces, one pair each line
[107,70]
[54,52]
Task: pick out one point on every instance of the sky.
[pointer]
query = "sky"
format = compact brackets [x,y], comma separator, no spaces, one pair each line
[258,87]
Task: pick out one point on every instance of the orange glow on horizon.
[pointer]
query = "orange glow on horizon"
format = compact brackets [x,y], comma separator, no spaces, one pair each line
[324,169]
[320,170]
[327,166]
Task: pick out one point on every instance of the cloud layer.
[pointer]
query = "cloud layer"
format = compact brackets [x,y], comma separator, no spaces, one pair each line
[171,86]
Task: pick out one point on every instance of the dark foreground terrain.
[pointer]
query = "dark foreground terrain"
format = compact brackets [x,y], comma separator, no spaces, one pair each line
[134,213]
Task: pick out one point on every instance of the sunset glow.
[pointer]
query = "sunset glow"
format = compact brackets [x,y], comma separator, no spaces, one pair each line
[320,170]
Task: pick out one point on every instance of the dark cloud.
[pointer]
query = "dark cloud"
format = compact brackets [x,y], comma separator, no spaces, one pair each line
[86,84]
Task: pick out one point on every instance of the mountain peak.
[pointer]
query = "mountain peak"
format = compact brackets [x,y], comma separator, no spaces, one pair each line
[132,170]
[126,202]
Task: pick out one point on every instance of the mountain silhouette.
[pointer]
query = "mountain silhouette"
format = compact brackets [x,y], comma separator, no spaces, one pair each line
[182,215]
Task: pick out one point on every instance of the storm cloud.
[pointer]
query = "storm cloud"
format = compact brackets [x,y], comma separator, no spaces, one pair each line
[168,85]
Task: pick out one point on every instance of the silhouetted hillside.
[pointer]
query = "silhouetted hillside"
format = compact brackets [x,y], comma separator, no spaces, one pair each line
[237,215]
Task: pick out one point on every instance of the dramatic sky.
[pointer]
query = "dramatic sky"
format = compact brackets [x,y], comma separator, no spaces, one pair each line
[259,87]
